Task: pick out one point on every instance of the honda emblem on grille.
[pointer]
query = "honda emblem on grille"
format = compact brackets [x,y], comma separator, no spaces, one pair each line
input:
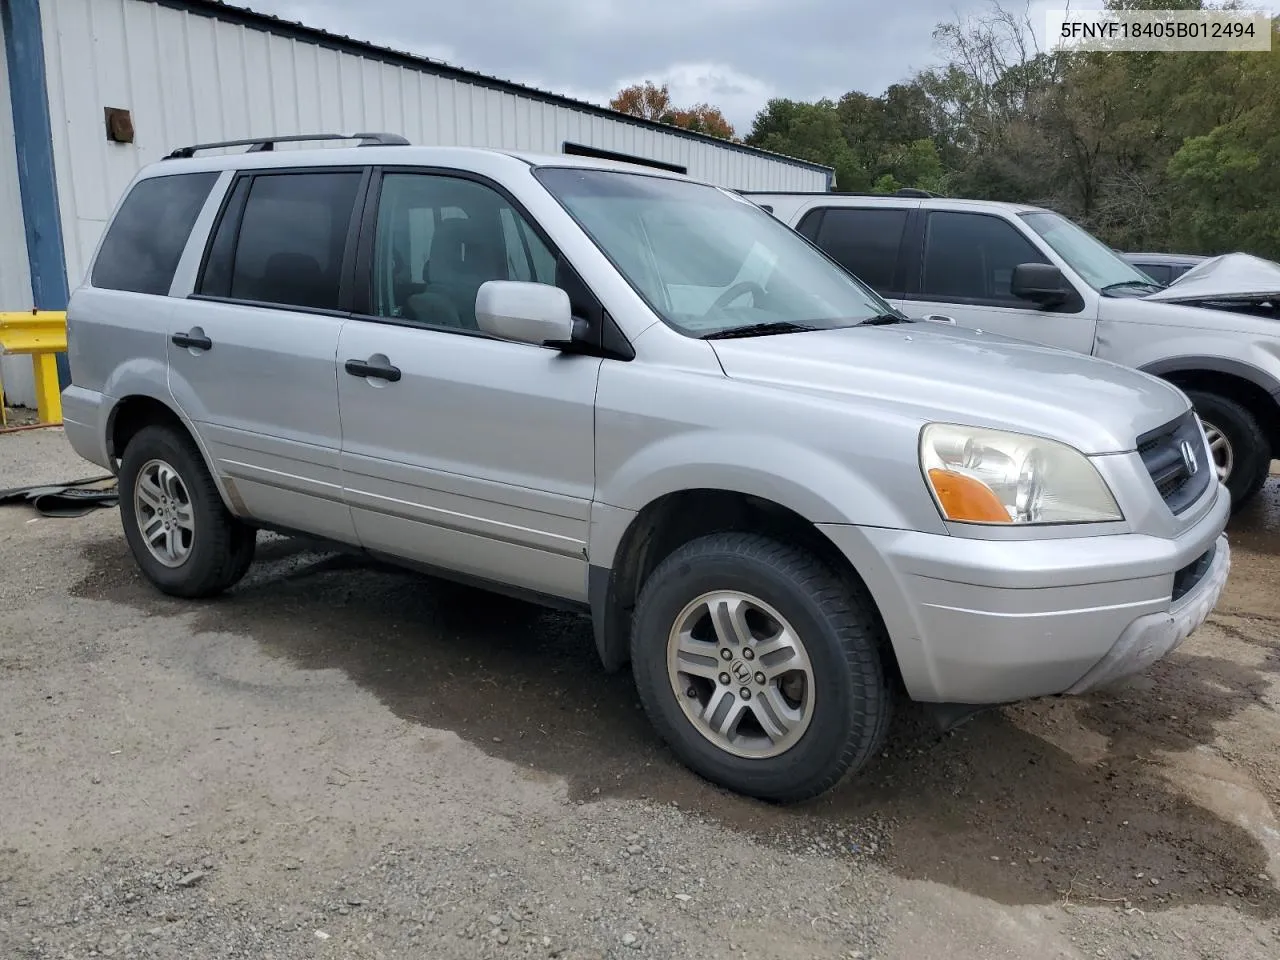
[1189,456]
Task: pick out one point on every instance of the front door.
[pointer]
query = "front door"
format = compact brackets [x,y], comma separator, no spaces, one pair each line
[459,450]
[965,275]
[252,353]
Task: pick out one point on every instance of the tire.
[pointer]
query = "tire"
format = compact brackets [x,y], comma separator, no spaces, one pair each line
[1250,453]
[219,548]
[841,642]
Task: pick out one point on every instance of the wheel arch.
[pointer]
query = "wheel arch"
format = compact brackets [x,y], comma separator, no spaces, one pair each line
[1252,388]
[673,519]
[133,412]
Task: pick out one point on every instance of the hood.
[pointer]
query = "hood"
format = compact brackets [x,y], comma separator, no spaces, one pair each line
[939,372]
[1232,276]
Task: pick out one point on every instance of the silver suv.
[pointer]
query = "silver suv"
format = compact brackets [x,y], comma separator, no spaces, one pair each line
[636,395]
[1030,273]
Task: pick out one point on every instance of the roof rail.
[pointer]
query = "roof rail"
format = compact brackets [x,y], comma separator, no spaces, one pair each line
[260,144]
[900,192]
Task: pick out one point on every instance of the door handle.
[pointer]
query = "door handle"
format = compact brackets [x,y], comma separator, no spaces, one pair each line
[361,368]
[200,342]
[940,318]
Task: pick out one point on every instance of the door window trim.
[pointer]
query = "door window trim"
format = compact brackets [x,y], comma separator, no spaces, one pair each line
[345,267]
[612,342]
[1074,303]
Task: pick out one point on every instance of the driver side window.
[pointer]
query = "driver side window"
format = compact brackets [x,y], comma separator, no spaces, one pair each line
[438,239]
[969,258]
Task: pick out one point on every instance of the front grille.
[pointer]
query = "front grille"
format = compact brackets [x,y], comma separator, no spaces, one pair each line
[1162,452]
[1186,579]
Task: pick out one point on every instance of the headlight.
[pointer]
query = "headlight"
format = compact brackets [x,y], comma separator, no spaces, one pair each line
[989,476]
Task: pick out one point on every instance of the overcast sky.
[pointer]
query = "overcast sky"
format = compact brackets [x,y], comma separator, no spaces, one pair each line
[734,54]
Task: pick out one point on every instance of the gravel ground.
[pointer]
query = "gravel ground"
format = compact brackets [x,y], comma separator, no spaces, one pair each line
[340,760]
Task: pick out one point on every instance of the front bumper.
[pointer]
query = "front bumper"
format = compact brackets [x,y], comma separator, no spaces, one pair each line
[1149,638]
[994,621]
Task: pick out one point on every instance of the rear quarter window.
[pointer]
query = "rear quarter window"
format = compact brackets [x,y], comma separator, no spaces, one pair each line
[145,240]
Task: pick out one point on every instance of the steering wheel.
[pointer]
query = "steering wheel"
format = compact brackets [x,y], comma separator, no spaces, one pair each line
[737,290]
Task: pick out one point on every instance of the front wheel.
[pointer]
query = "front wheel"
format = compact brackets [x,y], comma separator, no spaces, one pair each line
[1241,454]
[759,667]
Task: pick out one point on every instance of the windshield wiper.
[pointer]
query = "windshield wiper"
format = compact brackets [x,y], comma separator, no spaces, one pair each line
[1125,284]
[758,330]
[883,319]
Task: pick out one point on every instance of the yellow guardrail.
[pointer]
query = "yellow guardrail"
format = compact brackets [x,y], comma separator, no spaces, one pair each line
[42,335]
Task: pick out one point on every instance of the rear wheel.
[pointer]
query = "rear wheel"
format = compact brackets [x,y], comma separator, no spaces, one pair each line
[760,667]
[1241,454]
[181,534]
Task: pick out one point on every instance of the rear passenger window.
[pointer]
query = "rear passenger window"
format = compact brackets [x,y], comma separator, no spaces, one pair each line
[1159,272]
[287,245]
[144,243]
[865,242]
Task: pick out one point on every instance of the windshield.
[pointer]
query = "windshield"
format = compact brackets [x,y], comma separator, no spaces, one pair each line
[1096,263]
[707,261]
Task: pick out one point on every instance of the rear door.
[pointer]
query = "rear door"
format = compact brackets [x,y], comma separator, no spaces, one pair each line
[461,451]
[965,270]
[252,351]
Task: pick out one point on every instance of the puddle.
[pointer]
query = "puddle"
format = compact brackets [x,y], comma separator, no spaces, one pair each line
[1025,805]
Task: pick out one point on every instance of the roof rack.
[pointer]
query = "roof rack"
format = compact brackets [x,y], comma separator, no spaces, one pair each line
[900,192]
[260,144]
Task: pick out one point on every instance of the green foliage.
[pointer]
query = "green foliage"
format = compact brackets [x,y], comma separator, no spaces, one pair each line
[1173,151]
[1227,179]
[809,131]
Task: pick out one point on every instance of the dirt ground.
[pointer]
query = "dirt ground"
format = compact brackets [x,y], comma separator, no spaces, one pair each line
[341,761]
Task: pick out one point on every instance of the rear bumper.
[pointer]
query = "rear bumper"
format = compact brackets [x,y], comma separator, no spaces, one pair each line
[84,421]
[994,621]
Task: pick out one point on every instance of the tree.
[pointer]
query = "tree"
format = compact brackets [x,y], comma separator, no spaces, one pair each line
[653,102]
[1225,179]
[809,131]
[643,100]
[914,164]
[703,118]
[1153,150]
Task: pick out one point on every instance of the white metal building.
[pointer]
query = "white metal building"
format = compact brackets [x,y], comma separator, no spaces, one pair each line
[97,88]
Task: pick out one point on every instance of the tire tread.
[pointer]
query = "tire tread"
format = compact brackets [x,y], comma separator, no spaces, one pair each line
[1254,458]
[845,605]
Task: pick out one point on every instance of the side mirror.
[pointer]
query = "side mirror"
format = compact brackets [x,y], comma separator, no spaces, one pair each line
[535,313]
[1042,283]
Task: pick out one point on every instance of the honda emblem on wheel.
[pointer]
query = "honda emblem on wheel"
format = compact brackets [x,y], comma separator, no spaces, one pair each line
[1189,457]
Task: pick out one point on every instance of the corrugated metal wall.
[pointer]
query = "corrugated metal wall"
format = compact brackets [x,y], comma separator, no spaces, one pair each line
[15,273]
[189,78]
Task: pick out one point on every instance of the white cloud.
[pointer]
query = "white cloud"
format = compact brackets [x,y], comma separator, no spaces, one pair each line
[733,54]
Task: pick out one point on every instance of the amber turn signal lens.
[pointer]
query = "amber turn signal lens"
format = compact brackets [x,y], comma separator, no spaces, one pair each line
[964,498]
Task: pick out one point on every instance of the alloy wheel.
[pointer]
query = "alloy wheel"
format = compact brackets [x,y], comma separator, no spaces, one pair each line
[165,515]
[1221,450]
[741,674]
